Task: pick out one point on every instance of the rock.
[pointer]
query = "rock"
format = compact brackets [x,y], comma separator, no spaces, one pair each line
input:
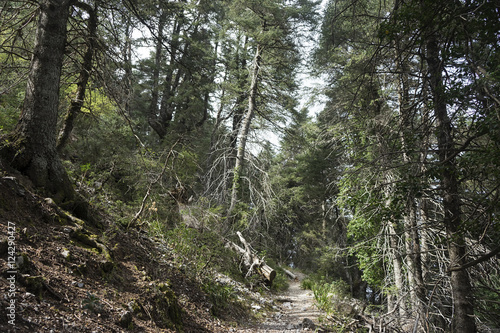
[106,266]
[23,263]
[4,245]
[308,323]
[125,320]
[66,254]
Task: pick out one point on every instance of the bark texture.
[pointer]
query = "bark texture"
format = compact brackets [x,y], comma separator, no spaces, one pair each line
[83,78]
[463,311]
[244,131]
[31,148]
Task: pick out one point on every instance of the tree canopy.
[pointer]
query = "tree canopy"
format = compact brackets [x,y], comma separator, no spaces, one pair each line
[148,109]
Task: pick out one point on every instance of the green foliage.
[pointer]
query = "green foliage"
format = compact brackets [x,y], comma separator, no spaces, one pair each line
[92,303]
[221,296]
[307,283]
[200,254]
[327,294]
[8,117]
[488,298]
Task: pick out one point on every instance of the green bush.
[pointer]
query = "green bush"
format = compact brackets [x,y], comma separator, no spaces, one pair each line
[307,284]
[326,294]
[220,295]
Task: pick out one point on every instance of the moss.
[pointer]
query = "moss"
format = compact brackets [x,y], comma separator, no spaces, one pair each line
[23,263]
[35,284]
[167,312]
[89,241]
[85,239]
[136,308]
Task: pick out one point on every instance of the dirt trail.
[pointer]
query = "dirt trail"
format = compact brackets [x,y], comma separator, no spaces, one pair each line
[297,312]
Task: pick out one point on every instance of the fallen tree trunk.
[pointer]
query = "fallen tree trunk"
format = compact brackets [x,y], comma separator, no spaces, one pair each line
[251,260]
[290,274]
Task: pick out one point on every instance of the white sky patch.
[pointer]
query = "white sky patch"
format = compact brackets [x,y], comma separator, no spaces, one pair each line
[142,50]
[310,93]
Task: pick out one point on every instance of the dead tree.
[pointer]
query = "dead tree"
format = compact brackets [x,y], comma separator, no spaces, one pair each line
[251,261]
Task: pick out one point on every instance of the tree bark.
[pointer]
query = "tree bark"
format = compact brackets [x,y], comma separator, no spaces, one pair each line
[244,130]
[397,262]
[33,142]
[411,227]
[31,148]
[84,76]
[239,110]
[463,311]
[251,261]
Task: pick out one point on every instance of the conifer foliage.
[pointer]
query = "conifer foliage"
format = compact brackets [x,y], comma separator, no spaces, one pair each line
[169,113]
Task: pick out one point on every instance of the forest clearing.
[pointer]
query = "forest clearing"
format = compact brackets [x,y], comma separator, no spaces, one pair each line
[250,166]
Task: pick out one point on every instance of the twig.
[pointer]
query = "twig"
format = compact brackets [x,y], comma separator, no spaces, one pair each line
[148,192]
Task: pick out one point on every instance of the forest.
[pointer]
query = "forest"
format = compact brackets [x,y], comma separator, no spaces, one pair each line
[357,141]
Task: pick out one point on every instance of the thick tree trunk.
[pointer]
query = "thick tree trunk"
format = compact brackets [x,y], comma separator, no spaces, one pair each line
[463,311]
[244,130]
[31,148]
[33,143]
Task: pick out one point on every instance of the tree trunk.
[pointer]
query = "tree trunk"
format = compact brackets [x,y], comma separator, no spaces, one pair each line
[239,109]
[86,69]
[31,148]
[158,123]
[251,261]
[127,66]
[397,263]
[244,130]
[463,311]
[411,228]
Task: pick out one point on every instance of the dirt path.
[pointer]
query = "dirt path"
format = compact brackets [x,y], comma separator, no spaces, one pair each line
[297,312]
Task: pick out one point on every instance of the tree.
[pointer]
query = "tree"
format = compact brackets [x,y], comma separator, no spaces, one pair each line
[269,26]
[408,96]
[31,148]
[181,72]
[83,76]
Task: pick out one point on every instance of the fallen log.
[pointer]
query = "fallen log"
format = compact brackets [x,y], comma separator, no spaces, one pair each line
[268,272]
[290,274]
[251,260]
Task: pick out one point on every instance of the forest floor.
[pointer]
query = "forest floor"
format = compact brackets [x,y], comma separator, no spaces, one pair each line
[72,277]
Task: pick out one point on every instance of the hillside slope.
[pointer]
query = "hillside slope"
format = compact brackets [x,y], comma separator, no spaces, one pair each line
[71,277]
